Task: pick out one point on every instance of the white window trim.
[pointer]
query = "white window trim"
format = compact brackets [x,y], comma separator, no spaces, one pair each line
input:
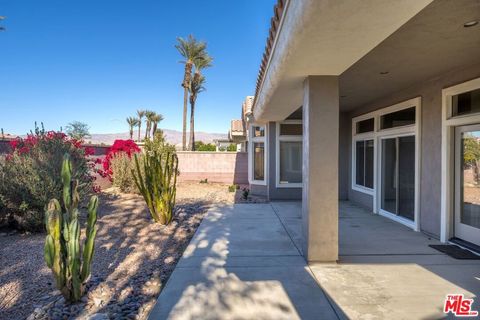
[377,135]
[448,152]
[355,186]
[279,138]
[252,140]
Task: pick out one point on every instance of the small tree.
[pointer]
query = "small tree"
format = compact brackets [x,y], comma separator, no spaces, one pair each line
[232,147]
[78,130]
[200,146]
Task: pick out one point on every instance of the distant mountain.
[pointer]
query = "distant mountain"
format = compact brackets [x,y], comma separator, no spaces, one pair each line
[172,136]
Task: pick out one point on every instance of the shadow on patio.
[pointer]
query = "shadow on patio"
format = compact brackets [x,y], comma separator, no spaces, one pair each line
[242,264]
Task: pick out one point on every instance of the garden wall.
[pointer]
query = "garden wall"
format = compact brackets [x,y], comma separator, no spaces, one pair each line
[224,167]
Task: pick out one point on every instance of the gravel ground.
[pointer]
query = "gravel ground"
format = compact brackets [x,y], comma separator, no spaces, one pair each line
[133,258]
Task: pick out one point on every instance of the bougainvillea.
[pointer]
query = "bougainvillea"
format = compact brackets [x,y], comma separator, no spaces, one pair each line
[128,147]
[31,176]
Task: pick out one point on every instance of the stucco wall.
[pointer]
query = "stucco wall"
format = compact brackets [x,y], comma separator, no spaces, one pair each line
[430,176]
[224,167]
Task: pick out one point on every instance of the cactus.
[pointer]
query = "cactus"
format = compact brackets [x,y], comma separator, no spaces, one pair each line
[63,253]
[157,184]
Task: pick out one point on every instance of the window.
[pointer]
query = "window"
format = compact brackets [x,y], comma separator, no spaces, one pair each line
[400,118]
[291,129]
[466,103]
[257,160]
[364,153]
[365,125]
[258,131]
[289,154]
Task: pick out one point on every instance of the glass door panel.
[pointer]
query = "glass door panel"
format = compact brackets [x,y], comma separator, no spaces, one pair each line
[467,213]
[389,175]
[406,177]
[398,176]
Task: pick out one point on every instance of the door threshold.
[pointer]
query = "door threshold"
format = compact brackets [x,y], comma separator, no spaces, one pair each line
[465,245]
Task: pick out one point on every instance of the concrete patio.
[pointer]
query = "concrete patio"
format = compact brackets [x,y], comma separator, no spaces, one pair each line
[245,262]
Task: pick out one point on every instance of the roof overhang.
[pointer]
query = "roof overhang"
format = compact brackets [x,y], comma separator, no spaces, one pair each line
[322,37]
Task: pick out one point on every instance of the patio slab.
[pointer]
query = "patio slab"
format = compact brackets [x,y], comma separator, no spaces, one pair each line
[242,264]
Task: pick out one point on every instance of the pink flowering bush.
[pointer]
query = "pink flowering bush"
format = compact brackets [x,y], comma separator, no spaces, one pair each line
[30,175]
[125,147]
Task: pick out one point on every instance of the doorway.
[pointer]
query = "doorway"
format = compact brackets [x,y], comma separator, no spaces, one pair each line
[467,183]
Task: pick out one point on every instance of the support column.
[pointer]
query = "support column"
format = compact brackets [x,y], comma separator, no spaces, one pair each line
[320,168]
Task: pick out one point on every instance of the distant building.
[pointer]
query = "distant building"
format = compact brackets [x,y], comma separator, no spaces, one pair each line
[238,127]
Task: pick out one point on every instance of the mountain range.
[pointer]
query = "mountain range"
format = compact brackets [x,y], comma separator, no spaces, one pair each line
[172,136]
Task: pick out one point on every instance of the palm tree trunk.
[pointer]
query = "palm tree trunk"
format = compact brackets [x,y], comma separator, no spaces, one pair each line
[192,125]
[184,132]
[186,85]
[147,124]
[139,129]
[131,133]
[154,129]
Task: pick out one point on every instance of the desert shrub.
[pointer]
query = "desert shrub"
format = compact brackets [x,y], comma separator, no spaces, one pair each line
[200,146]
[232,188]
[128,147]
[30,175]
[121,165]
[159,144]
[232,147]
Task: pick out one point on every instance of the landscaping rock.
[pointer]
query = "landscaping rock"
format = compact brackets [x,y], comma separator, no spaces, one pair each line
[133,259]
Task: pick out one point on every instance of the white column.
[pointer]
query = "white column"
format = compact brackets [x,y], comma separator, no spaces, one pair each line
[320,168]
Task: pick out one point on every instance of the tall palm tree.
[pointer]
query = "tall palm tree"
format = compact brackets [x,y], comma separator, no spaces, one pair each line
[156,119]
[132,122]
[190,49]
[148,115]
[197,86]
[140,114]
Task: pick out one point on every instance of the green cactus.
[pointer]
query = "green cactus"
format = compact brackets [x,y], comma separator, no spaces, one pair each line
[62,245]
[157,183]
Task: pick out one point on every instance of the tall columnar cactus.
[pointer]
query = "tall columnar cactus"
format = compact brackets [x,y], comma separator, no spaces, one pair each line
[63,252]
[157,183]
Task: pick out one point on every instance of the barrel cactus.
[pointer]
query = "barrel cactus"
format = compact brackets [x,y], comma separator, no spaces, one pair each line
[64,255]
[157,183]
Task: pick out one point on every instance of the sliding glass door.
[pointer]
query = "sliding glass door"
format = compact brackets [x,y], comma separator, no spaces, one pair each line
[467,183]
[398,176]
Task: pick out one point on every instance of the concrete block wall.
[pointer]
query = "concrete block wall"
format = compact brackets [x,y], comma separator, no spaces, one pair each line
[223,167]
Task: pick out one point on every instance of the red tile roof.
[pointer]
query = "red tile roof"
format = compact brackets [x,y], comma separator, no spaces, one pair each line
[274,23]
[236,126]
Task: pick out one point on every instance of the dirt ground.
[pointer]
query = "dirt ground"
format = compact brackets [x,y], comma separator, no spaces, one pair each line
[133,257]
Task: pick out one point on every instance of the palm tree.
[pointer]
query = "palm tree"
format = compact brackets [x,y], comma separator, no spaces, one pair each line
[190,49]
[140,114]
[197,86]
[132,122]
[148,115]
[156,119]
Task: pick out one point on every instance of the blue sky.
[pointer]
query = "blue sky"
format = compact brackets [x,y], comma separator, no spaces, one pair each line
[97,61]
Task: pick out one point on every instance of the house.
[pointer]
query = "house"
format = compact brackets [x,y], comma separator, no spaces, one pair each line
[373,102]
[238,127]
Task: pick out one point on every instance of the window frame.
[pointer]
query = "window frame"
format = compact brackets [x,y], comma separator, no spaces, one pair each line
[356,186]
[287,138]
[252,141]
[378,134]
